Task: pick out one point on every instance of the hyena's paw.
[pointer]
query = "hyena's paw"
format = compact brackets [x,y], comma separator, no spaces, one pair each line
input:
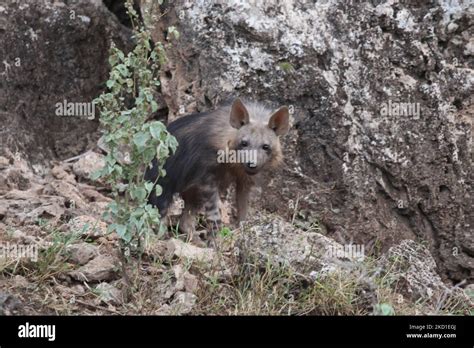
[213,216]
[187,224]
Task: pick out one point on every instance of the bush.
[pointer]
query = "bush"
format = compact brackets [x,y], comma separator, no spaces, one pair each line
[124,110]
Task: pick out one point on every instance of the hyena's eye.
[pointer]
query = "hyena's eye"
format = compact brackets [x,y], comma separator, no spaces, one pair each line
[266,147]
[243,143]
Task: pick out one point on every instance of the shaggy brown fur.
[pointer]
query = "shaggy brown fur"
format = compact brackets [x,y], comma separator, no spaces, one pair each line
[197,172]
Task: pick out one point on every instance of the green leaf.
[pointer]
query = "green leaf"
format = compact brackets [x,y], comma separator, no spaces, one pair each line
[156,128]
[140,139]
[225,232]
[161,230]
[122,232]
[149,154]
[154,106]
[139,193]
[384,309]
[148,186]
[97,174]
[172,31]
[158,190]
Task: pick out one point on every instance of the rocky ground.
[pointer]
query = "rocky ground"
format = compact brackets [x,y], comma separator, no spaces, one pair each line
[268,266]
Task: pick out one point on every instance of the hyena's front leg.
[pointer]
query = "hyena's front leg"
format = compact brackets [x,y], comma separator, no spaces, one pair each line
[187,221]
[242,194]
[212,206]
[188,218]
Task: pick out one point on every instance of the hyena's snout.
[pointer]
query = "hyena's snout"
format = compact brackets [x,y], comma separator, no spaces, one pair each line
[256,160]
[251,168]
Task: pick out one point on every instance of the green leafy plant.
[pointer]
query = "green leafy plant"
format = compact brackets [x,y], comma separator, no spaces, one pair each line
[225,232]
[384,309]
[132,142]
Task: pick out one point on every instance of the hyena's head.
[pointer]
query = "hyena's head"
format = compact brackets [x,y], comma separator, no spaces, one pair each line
[258,130]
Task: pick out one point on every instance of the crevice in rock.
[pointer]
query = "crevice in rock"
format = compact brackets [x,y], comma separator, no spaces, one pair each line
[117,7]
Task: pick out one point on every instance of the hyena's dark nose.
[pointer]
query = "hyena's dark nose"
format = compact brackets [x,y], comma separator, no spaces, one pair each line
[252,165]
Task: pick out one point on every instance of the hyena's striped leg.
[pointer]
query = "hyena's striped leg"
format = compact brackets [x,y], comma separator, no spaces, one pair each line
[242,195]
[212,206]
[188,218]
[187,221]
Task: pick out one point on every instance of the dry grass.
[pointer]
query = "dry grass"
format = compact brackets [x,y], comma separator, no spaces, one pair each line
[267,289]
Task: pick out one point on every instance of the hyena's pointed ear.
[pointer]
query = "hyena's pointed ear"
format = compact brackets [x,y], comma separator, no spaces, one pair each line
[239,115]
[280,121]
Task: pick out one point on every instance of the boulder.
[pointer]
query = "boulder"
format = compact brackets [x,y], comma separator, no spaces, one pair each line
[81,253]
[70,42]
[88,164]
[413,272]
[100,269]
[180,249]
[87,226]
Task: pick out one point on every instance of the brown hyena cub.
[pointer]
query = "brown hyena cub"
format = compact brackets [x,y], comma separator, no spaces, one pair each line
[217,148]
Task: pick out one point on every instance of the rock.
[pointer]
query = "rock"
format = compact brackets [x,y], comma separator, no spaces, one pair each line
[122,154]
[59,173]
[109,293]
[94,196]
[224,275]
[87,226]
[98,208]
[183,303]
[184,280]
[88,164]
[9,304]
[21,237]
[100,269]
[20,195]
[164,310]
[469,48]
[25,199]
[21,282]
[82,253]
[469,290]
[414,273]
[4,162]
[180,249]
[266,239]
[70,66]
[155,247]
[190,282]
[14,178]
[22,211]
[452,27]
[78,289]
[67,190]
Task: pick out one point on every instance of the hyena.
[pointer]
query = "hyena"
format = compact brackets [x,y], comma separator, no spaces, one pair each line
[194,171]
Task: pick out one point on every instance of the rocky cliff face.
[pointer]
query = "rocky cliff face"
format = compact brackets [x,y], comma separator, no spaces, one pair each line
[382,97]
[52,52]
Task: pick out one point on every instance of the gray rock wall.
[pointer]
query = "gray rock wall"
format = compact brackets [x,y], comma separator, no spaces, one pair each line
[52,52]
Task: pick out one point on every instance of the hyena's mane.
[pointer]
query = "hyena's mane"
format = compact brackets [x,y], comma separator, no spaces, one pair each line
[202,135]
